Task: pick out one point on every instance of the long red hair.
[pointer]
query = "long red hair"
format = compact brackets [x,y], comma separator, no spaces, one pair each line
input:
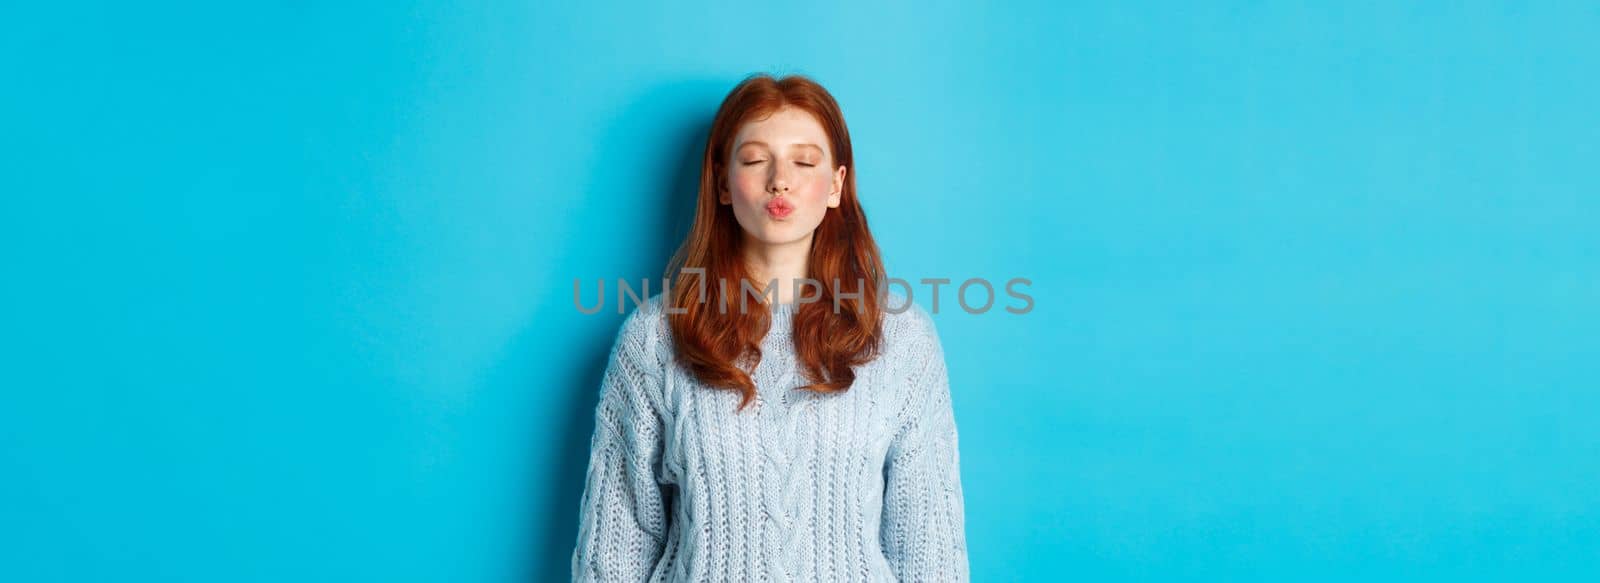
[712,334]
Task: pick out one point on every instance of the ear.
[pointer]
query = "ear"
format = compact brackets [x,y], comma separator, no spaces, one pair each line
[723,196]
[838,188]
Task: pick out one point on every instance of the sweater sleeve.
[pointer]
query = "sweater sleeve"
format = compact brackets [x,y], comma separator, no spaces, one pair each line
[623,516]
[923,530]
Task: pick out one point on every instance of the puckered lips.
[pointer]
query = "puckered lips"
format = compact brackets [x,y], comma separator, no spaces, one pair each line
[779,208]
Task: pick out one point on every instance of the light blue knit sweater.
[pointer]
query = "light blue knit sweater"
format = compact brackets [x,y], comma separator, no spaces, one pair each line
[859,486]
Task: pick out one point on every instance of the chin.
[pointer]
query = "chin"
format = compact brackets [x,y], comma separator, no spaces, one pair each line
[781,234]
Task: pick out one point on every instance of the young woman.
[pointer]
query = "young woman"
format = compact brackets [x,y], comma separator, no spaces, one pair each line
[800,435]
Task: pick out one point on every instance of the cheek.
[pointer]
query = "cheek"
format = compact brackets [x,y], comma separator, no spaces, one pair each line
[814,186]
[747,185]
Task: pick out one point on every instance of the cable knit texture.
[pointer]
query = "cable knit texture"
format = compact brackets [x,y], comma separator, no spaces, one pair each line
[863,485]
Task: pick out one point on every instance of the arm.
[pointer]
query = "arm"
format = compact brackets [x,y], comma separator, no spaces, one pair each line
[923,532]
[623,515]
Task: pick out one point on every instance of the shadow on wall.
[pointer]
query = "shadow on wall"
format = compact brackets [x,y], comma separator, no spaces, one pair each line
[641,193]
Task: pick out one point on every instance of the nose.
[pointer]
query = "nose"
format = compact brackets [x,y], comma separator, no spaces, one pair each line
[779,184]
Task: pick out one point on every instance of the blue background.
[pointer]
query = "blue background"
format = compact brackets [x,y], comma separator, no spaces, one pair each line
[288,286]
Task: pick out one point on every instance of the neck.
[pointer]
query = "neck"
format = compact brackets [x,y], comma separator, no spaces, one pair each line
[784,263]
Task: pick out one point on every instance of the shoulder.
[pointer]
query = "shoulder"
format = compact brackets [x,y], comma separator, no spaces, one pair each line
[644,332]
[911,346]
[910,336]
[646,317]
[914,356]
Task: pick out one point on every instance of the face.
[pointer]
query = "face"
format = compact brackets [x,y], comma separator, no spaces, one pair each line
[781,178]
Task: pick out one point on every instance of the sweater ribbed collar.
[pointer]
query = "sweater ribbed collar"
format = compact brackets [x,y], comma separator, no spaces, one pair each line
[782,318]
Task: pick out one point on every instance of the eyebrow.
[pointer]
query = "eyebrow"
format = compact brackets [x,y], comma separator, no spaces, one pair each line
[765,145]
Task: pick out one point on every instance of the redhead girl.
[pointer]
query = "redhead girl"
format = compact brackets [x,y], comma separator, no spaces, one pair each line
[777,414]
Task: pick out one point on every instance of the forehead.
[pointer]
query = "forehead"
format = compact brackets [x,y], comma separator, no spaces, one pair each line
[787,128]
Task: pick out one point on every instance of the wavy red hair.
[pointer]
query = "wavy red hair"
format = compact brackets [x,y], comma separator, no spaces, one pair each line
[712,341]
